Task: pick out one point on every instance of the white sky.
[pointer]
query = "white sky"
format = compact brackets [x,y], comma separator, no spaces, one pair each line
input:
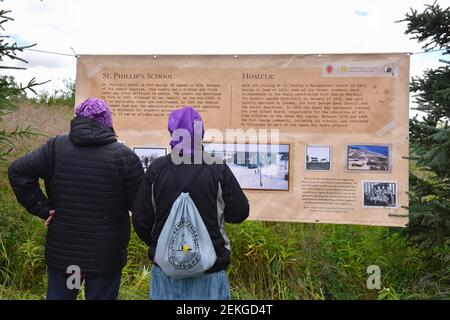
[206,26]
[319,152]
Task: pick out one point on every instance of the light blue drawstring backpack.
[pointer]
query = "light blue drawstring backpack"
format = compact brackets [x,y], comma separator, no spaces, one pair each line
[184,247]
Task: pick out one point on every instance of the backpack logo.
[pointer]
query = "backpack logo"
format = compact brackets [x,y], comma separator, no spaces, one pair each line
[184,246]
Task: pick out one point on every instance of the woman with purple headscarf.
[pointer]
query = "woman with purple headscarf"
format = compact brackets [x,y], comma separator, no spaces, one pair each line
[90,181]
[216,195]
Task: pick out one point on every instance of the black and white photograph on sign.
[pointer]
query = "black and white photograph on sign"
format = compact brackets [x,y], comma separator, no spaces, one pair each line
[378,194]
[368,157]
[256,166]
[318,158]
[147,155]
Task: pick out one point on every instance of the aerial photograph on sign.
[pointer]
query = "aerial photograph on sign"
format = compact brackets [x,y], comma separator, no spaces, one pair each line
[368,157]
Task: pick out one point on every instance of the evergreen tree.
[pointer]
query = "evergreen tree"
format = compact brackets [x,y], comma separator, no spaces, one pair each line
[9,90]
[429,224]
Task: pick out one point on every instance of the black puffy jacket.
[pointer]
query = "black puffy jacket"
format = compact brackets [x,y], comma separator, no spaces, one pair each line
[214,190]
[91,181]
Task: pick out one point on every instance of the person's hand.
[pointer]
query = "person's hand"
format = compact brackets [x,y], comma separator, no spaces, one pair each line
[50,217]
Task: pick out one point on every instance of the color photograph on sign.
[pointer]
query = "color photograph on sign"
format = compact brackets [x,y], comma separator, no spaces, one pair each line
[368,157]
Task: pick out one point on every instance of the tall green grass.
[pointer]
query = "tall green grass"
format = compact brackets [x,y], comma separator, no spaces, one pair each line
[301,261]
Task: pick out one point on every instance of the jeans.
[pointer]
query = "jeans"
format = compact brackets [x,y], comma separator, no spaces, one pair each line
[209,286]
[97,286]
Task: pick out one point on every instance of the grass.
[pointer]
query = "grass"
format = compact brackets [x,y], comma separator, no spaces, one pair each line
[300,261]
[269,260]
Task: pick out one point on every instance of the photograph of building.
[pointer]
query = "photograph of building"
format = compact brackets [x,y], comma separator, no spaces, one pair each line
[256,166]
[148,154]
[318,158]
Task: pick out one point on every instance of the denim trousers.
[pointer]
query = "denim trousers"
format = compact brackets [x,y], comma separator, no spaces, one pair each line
[209,286]
[96,286]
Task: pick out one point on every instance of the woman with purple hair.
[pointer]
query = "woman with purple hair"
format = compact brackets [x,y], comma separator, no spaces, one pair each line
[90,181]
[194,266]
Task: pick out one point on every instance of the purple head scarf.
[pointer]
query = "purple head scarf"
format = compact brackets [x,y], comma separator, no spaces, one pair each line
[185,118]
[95,109]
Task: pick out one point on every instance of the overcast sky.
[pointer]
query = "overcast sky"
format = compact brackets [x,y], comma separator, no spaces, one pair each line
[205,27]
